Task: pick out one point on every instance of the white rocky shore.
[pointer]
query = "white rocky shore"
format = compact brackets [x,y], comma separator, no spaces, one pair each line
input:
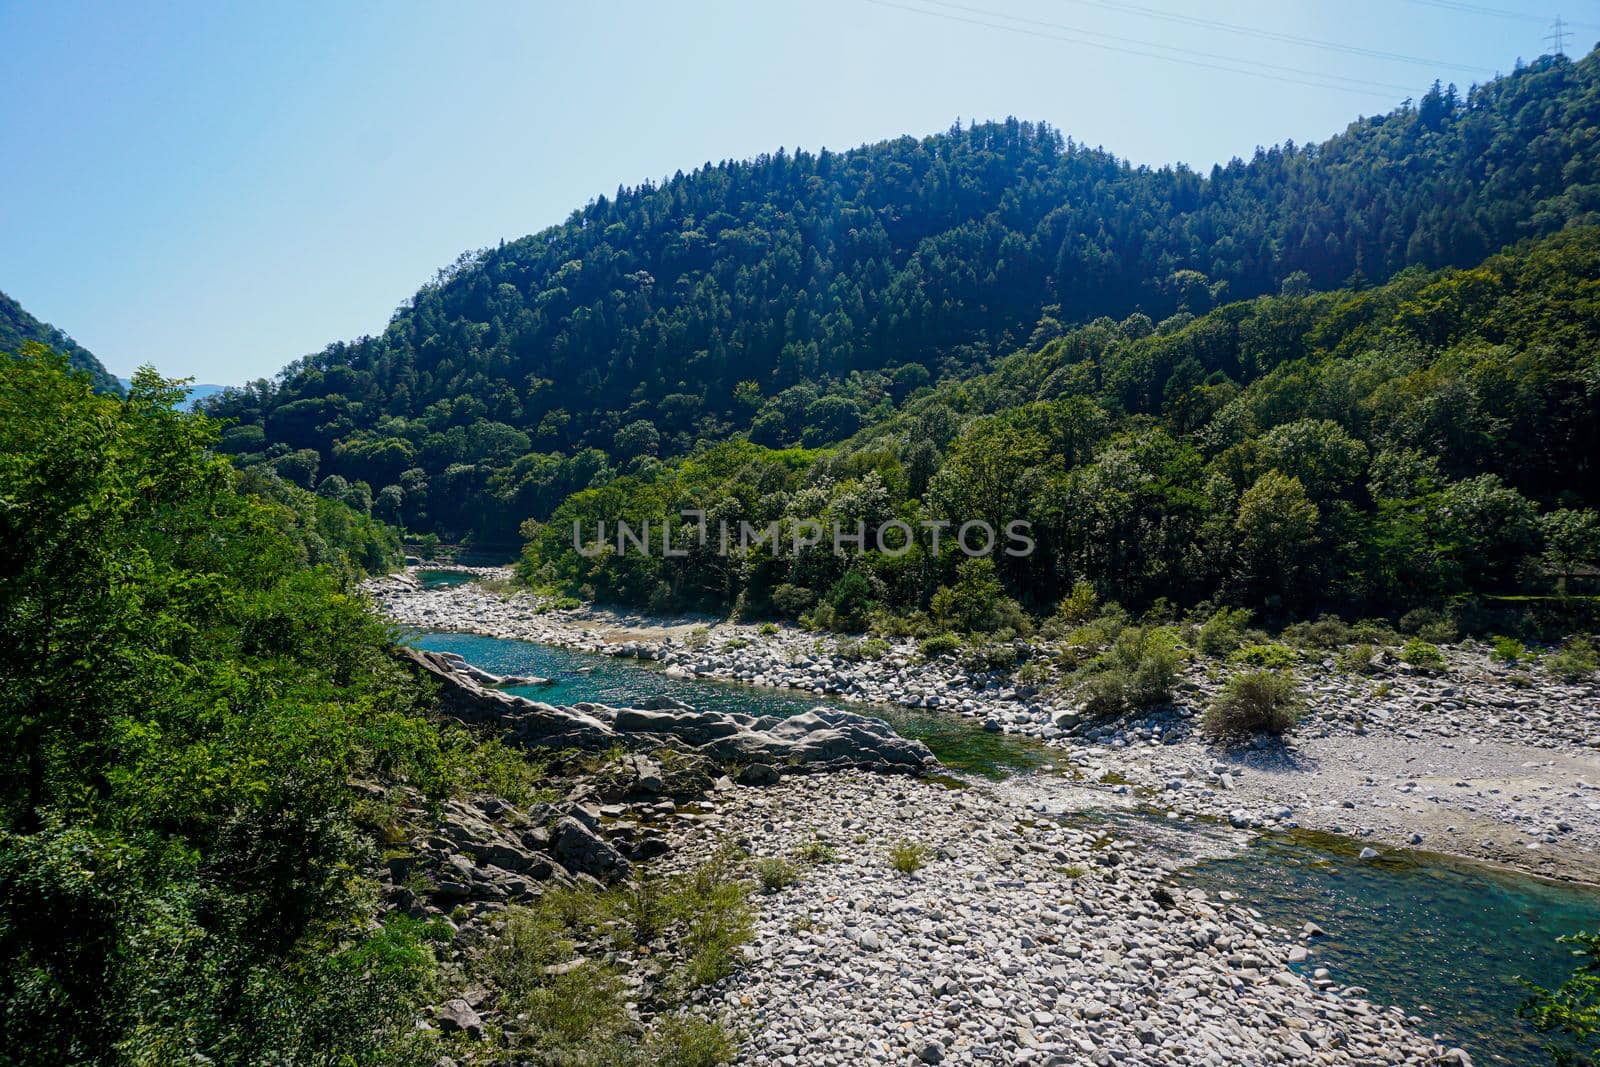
[1020,941]
[1027,939]
[1478,761]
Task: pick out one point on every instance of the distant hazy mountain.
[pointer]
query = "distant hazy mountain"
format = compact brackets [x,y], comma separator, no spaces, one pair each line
[17,326]
[197,393]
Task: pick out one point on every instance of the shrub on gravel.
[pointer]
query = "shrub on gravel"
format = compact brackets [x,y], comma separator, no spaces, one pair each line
[1423,656]
[908,857]
[1270,657]
[1075,609]
[1223,632]
[1261,702]
[1359,658]
[774,873]
[1508,650]
[980,656]
[1575,661]
[1327,632]
[817,852]
[939,645]
[1137,671]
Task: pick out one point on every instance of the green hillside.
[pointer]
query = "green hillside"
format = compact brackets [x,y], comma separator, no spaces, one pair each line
[1361,450]
[17,326]
[770,296]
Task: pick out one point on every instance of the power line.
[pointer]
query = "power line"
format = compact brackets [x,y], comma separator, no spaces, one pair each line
[1498,12]
[1557,38]
[1287,38]
[1137,47]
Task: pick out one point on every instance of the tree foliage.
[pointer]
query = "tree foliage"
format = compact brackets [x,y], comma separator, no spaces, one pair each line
[185,692]
[1365,450]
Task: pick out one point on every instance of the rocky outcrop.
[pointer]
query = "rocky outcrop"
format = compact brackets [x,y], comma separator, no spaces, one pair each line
[820,739]
[581,849]
[522,721]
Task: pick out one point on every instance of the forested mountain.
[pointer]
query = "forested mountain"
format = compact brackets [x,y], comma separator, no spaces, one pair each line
[17,326]
[1365,451]
[752,296]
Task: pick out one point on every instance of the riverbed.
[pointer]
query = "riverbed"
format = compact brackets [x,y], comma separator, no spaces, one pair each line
[1443,939]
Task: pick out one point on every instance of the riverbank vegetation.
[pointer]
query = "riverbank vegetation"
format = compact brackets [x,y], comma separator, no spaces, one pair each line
[189,690]
[1252,704]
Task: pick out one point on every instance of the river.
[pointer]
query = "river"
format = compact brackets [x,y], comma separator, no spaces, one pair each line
[1442,938]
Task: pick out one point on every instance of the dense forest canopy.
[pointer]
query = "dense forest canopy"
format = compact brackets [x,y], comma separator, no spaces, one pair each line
[788,296]
[1361,451]
[17,327]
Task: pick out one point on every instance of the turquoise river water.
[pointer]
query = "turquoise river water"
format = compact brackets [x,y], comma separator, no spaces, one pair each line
[1442,938]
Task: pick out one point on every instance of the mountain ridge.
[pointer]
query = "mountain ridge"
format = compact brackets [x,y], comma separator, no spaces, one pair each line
[17,326]
[743,298]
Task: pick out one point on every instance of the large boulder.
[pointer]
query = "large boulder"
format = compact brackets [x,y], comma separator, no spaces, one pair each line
[833,737]
[581,849]
[695,727]
[457,1016]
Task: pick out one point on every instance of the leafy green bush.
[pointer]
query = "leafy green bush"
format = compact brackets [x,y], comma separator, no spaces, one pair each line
[661,601]
[980,656]
[1267,657]
[774,873]
[849,601]
[1439,632]
[1033,673]
[1508,650]
[908,857]
[767,629]
[1374,632]
[1359,658]
[1570,1015]
[977,603]
[1261,702]
[1575,661]
[899,622]
[1137,671]
[1423,656]
[1078,606]
[792,601]
[1223,632]
[938,645]
[1327,632]
[1414,620]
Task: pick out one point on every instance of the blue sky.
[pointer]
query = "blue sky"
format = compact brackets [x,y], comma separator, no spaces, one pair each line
[219,189]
